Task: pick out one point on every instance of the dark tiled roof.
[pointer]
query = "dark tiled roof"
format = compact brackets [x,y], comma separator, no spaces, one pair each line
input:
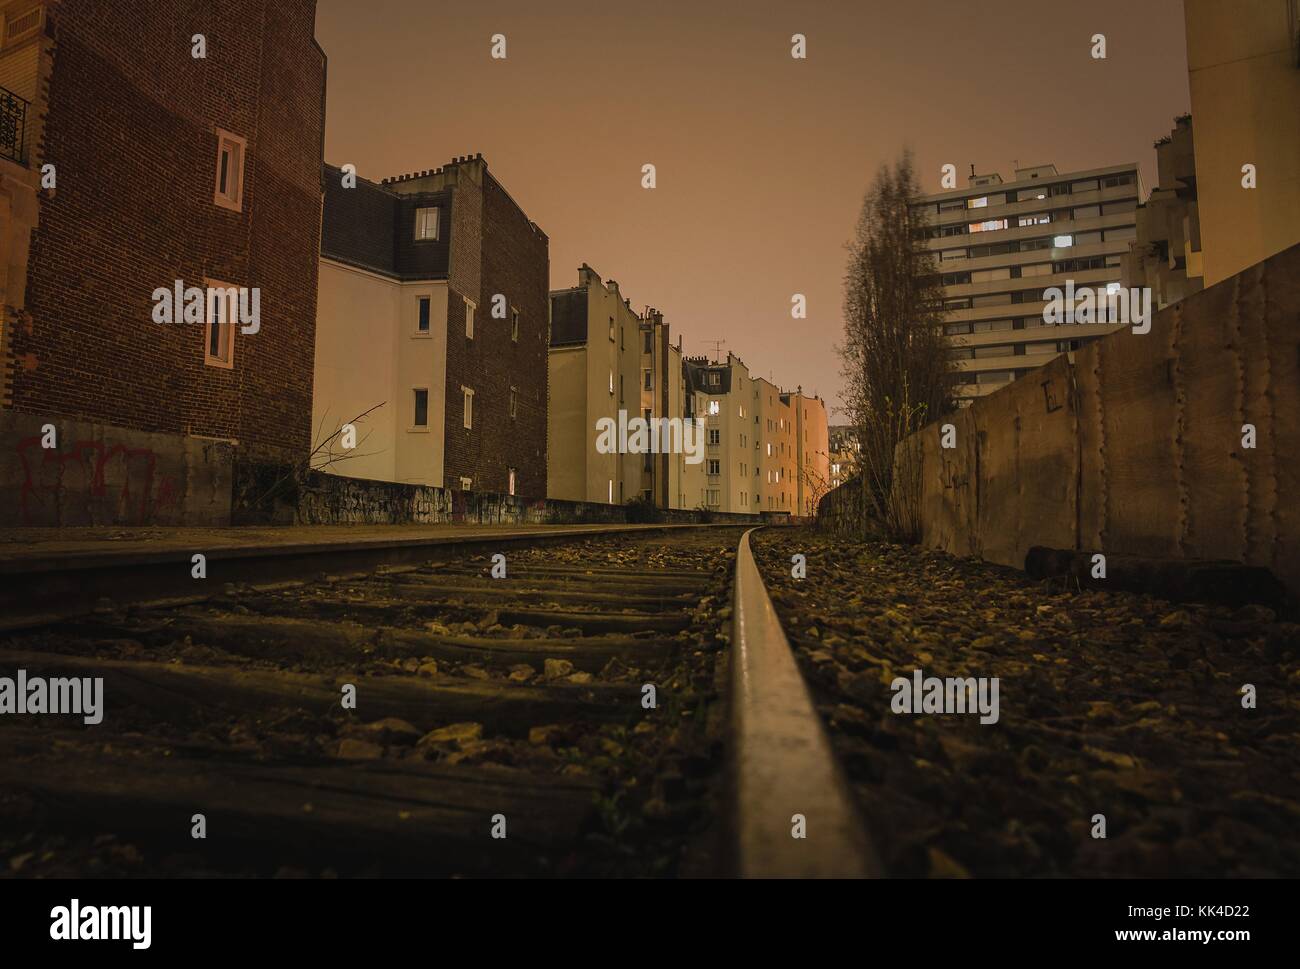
[372,227]
[568,317]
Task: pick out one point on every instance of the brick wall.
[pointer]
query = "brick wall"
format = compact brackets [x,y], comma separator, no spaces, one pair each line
[513,260]
[131,129]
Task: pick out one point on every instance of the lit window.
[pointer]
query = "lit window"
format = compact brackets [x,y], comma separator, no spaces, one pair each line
[466,484]
[470,306]
[713,407]
[231,149]
[468,406]
[991,225]
[512,481]
[426,224]
[514,324]
[1062,242]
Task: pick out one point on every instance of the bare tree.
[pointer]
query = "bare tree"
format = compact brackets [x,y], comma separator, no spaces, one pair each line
[895,358]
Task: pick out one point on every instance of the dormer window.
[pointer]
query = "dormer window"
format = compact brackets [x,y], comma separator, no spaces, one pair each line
[426,224]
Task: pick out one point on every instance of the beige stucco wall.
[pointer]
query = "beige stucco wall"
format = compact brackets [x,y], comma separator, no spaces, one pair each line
[566,417]
[1245,90]
[368,352]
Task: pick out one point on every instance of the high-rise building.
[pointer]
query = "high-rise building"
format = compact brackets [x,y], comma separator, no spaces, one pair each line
[1000,245]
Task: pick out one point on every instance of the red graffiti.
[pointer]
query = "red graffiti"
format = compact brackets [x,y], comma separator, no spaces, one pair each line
[133,509]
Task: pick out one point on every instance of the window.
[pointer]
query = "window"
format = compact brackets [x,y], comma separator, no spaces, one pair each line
[713,407]
[420,407]
[219,324]
[514,394]
[649,341]
[512,481]
[422,320]
[992,225]
[611,329]
[514,324]
[1063,242]
[466,483]
[611,382]
[1038,218]
[715,436]
[229,192]
[468,405]
[610,499]
[715,378]
[426,224]
[647,379]
[715,466]
[470,306]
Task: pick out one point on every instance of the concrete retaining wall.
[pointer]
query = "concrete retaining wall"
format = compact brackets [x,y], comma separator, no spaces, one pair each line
[1136,446]
[327,499]
[101,475]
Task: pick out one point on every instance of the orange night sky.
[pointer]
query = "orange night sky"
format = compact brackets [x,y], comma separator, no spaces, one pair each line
[762,160]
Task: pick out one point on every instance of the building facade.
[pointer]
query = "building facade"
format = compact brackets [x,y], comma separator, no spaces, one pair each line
[607,359]
[1000,245]
[766,449]
[220,189]
[1243,72]
[431,332]
[1166,256]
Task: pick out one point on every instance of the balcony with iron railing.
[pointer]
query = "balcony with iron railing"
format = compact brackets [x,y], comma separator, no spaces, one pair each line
[13,126]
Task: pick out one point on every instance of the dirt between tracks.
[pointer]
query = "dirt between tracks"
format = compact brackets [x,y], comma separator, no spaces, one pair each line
[1110,704]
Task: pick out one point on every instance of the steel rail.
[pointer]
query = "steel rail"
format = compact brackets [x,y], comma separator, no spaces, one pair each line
[782,762]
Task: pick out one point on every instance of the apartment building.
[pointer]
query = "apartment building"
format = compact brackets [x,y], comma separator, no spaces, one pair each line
[123,174]
[999,245]
[1166,256]
[432,323]
[844,454]
[607,362]
[1243,72]
[766,449]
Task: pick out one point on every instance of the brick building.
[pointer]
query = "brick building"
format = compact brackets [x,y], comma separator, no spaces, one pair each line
[169,167]
[433,318]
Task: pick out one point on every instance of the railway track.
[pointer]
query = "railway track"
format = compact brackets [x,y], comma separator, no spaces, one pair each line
[545,710]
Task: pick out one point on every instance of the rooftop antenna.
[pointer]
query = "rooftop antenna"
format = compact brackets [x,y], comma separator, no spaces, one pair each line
[717,348]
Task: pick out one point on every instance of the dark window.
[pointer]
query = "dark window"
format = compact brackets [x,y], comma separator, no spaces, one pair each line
[421,408]
[424,314]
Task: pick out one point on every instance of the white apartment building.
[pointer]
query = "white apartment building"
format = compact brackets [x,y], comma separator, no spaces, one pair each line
[999,245]
[767,449]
